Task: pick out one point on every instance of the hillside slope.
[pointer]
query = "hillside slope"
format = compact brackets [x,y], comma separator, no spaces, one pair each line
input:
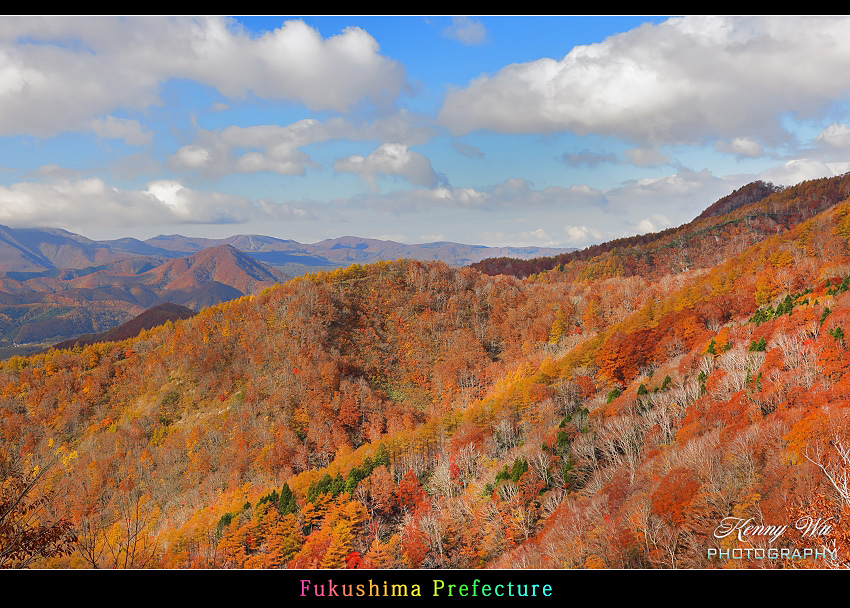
[409,414]
[153,317]
[725,228]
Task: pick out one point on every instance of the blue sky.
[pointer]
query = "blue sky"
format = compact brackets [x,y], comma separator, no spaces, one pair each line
[549,131]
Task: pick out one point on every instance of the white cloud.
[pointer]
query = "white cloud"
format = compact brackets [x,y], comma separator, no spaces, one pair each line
[669,200]
[58,73]
[192,157]
[277,148]
[90,202]
[52,171]
[540,237]
[741,147]
[390,160]
[835,135]
[581,234]
[654,223]
[171,194]
[685,184]
[121,128]
[466,30]
[676,82]
[802,169]
[265,148]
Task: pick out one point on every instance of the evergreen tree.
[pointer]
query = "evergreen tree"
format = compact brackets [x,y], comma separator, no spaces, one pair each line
[287,500]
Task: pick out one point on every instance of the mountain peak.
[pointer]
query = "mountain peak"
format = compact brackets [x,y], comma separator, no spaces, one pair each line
[751,193]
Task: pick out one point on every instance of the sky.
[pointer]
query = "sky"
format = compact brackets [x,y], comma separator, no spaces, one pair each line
[490,130]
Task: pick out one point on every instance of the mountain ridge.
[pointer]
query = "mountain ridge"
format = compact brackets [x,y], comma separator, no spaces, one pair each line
[29,250]
[762,207]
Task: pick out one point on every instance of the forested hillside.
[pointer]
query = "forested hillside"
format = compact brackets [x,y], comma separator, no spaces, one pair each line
[745,216]
[610,409]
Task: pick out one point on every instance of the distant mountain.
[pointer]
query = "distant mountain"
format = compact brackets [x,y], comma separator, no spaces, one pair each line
[38,250]
[56,285]
[243,242]
[137,247]
[354,249]
[298,258]
[56,304]
[42,249]
[181,280]
[223,264]
[150,318]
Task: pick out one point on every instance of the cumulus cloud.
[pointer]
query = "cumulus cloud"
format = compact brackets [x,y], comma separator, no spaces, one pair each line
[802,169]
[277,148]
[683,185]
[581,234]
[835,135]
[72,203]
[675,199]
[264,148]
[130,131]
[654,223]
[390,160]
[58,73]
[466,30]
[539,234]
[741,147]
[680,81]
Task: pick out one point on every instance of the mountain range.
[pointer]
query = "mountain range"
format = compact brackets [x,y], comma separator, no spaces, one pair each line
[38,250]
[38,307]
[56,285]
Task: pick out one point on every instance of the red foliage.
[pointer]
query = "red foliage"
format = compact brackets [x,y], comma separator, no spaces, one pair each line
[352,560]
[410,492]
[673,496]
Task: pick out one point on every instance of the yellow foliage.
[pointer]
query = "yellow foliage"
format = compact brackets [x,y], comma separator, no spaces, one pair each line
[781,259]
[594,562]
[766,288]
[842,225]
[559,327]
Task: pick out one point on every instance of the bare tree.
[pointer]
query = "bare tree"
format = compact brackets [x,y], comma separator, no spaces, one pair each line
[836,470]
[26,533]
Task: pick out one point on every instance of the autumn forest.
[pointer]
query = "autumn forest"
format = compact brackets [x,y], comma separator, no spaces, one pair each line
[616,407]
